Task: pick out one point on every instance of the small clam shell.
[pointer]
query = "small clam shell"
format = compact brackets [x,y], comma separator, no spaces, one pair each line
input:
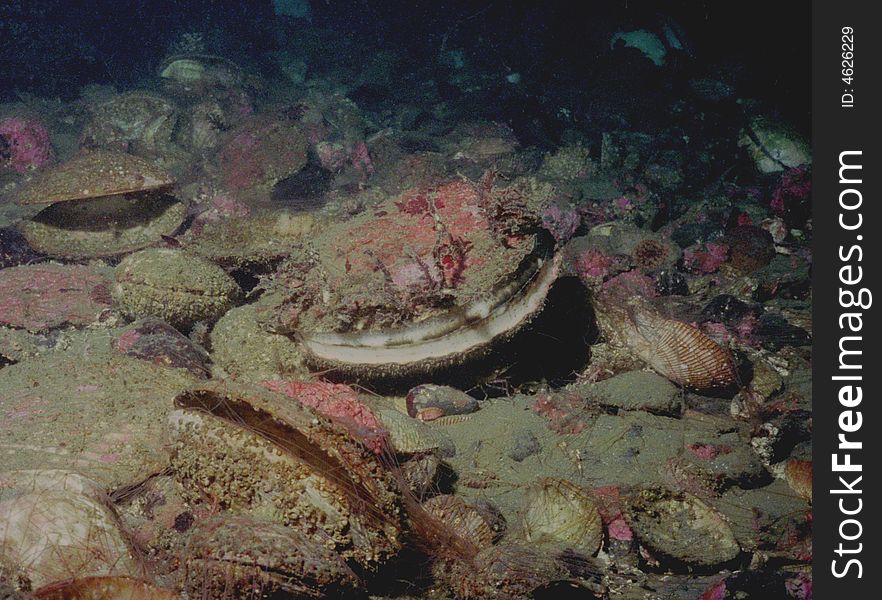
[799,477]
[679,351]
[184,70]
[448,400]
[462,518]
[558,512]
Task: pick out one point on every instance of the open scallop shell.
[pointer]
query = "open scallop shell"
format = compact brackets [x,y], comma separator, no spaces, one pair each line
[94,175]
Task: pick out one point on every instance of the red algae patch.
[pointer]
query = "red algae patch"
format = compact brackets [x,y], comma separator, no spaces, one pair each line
[338,402]
[39,297]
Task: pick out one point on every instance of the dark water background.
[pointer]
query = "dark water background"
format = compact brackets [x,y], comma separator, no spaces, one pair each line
[53,47]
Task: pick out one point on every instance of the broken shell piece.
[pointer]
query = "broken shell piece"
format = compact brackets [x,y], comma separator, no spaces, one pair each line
[93,175]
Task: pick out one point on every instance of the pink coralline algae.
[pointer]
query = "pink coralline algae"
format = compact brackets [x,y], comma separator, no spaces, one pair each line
[794,188]
[339,403]
[567,413]
[632,283]
[705,260]
[39,297]
[24,144]
[560,222]
[716,592]
[592,263]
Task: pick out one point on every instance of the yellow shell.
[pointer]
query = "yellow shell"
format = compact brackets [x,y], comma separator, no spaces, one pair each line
[183,70]
[559,512]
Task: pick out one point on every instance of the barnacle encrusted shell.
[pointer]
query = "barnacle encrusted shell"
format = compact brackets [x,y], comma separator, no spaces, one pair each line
[258,454]
[93,175]
[230,556]
[672,348]
[681,527]
[139,117]
[102,227]
[560,513]
[172,285]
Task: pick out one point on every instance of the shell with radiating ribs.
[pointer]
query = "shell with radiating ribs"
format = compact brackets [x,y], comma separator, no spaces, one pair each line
[677,350]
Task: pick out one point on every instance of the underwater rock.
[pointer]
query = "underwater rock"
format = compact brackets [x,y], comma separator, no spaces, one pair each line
[256,453]
[681,528]
[40,297]
[231,556]
[635,390]
[262,152]
[58,526]
[156,341]
[524,445]
[179,288]
[798,474]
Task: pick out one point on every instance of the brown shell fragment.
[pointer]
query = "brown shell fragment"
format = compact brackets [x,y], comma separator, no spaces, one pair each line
[93,175]
[798,474]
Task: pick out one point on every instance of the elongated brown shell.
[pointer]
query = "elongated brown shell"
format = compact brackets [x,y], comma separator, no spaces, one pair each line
[675,349]
[94,175]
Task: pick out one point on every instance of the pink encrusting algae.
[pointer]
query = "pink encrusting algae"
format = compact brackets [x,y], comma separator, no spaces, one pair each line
[339,403]
[24,144]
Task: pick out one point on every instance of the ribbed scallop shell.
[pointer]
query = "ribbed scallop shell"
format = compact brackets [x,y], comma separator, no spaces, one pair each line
[679,351]
[462,518]
[559,512]
[411,436]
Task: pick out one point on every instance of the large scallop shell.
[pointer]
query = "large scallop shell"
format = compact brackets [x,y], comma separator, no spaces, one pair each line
[93,175]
